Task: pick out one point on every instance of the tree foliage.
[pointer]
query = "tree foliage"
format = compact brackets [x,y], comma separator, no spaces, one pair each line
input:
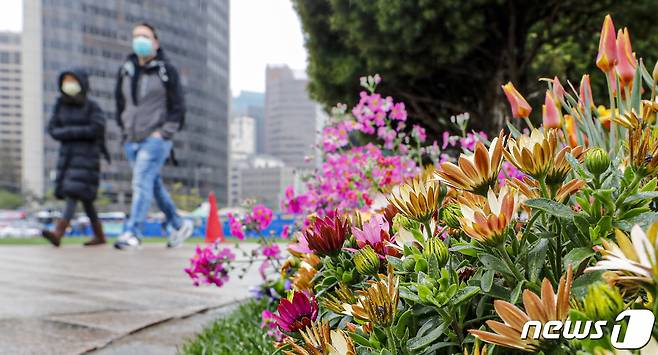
[451,56]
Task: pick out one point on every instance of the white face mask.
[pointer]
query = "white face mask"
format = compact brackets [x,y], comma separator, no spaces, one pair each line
[71,88]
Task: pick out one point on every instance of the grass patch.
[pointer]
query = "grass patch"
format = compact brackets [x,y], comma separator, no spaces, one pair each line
[237,333]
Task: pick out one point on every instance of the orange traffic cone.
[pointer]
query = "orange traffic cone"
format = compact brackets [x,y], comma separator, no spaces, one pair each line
[213,226]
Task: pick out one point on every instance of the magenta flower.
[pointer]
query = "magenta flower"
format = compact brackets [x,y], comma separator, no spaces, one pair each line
[209,268]
[285,232]
[260,216]
[398,112]
[271,251]
[235,227]
[298,314]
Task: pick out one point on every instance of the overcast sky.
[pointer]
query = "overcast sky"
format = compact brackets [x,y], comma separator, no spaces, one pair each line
[262,32]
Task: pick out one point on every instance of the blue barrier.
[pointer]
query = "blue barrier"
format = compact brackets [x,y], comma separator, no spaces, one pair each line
[154,228]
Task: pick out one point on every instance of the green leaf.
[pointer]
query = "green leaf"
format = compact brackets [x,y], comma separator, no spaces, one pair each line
[397,263]
[536,258]
[438,346]
[550,207]
[635,92]
[431,323]
[359,339]
[576,256]
[516,293]
[464,248]
[407,294]
[582,283]
[424,292]
[401,326]
[576,166]
[425,340]
[644,220]
[487,280]
[642,196]
[493,263]
[464,294]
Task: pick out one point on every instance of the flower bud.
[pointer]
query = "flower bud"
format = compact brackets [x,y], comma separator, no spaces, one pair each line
[654,74]
[597,161]
[408,264]
[366,261]
[435,246]
[450,215]
[402,222]
[601,302]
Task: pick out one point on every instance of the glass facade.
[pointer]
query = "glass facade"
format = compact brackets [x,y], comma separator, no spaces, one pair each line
[96,35]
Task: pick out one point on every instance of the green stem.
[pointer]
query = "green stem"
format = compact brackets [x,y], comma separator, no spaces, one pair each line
[391,341]
[510,264]
[544,189]
[613,125]
[527,121]
[529,225]
[428,229]
[558,249]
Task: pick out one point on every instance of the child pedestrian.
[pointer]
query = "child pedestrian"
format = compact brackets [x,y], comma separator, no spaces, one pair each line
[78,124]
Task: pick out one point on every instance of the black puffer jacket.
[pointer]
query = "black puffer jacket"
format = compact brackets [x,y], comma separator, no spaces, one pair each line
[79,125]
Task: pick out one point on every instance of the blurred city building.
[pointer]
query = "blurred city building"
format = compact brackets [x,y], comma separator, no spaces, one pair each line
[264,179]
[10,110]
[251,103]
[96,35]
[242,147]
[292,120]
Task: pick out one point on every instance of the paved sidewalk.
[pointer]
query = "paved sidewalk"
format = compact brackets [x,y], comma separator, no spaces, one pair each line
[74,300]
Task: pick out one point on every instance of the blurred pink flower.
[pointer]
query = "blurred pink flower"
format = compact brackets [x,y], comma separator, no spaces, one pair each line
[208,267]
[235,227]
[271,251]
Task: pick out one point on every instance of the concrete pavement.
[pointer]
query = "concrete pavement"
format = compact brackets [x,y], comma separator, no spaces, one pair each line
[74,300]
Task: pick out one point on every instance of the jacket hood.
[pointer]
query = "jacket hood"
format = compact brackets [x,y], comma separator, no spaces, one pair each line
[82,77]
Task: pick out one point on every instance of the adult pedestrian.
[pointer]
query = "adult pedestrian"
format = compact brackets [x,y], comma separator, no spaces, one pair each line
[150,109]
[78,124]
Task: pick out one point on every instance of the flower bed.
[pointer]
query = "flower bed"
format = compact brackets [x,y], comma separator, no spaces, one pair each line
[405,248]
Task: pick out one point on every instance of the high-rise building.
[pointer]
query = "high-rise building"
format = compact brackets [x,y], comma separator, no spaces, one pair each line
[264,179]
[251,103]
[96,35]
[292,119]
[10,110]
[242,146]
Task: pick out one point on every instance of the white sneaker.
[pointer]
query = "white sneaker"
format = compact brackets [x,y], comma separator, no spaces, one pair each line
[127,240]
[180,235]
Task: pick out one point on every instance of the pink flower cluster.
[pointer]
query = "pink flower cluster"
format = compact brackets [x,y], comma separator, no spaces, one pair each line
[291,203]
[509,171]
[209,267]
[347,180]
[375,114]
[467,143]
[336,137]
[260,217]
[235,226]
[271,251]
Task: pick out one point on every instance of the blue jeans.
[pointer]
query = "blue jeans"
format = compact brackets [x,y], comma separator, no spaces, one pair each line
[147,158]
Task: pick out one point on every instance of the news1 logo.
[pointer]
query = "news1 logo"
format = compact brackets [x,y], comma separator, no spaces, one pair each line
[638,329]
